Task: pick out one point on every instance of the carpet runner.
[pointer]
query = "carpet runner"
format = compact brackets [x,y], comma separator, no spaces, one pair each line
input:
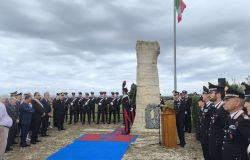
[110,146]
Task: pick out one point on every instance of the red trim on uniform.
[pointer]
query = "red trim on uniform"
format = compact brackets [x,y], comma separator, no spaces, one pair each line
[126,119]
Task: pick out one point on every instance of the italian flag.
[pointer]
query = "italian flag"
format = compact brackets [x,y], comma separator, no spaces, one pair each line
[180,6]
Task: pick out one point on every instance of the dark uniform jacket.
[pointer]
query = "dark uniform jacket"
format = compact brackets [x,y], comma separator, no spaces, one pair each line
[92,102]
[188,103]
[11,112]
[46,105]
[112,103]
[236,137]
[216,132]
[67,102]
[60,107]
[179,107]
[73,104]
[25,113]
[78,106]
[38,110]
[205,122]
[118,103]
[101,103]
[86,104]
[198,125]
[54,105]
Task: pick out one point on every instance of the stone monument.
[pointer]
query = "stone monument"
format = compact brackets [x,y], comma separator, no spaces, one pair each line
[147,81]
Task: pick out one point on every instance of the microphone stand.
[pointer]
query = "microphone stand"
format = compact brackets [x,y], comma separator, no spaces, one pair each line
[160,110]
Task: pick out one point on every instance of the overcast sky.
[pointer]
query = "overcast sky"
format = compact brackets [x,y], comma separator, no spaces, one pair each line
[85,45]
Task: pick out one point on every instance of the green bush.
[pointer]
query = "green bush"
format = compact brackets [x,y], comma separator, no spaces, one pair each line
[195,108]
[132,94]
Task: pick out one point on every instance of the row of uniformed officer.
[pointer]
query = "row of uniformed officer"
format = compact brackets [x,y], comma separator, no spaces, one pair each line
[219,136]
[107,106]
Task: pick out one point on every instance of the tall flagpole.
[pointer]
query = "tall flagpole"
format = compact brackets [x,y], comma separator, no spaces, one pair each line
[175,75]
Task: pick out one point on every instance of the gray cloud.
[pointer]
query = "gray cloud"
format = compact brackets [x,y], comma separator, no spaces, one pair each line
[90,44]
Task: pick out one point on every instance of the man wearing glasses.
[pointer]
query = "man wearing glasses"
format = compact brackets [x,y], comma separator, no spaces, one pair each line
[36,117]
[237,127]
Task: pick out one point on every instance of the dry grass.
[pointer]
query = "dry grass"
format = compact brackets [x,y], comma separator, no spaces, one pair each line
[145,148]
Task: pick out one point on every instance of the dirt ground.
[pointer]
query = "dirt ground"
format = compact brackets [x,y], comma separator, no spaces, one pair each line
[146,147]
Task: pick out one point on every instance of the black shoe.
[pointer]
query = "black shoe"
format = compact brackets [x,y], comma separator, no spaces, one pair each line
[63,129]
[14,142]
[38,141]
[182,145]
[47,135]
[25,145]
[43,135]
[33,142]
[9,149]
[97,123]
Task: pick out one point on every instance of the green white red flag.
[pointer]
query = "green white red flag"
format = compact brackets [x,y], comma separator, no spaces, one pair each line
[180,6]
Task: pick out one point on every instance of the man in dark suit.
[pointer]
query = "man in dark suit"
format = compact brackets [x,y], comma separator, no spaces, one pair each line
[112,108]
[92,105]
[26,111]
[54,109]
[72,107]
[188,103]
[86,108]
[60,112]
[218,120]
[101,108]
[36,117]
[106,107]
[67,105]
[47,109]
[205,122]
[179,107]
[118,105]
[78,108]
